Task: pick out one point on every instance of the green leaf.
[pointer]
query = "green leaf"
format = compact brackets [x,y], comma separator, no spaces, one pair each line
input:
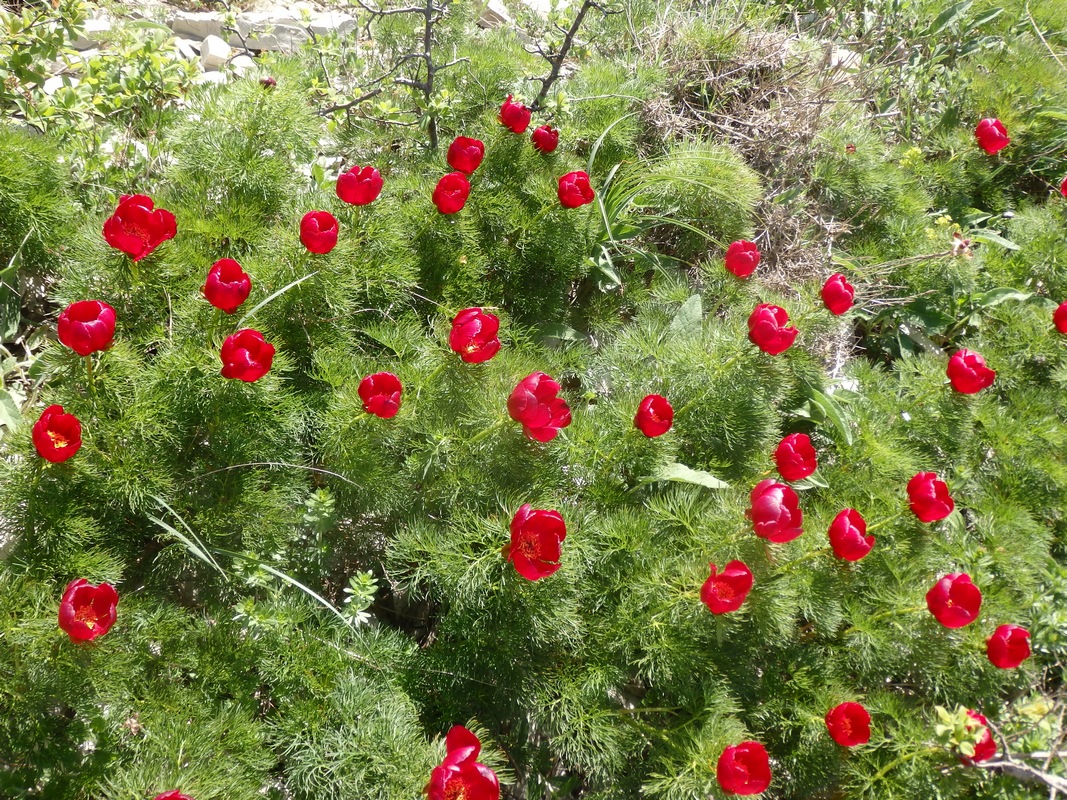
[557,330]
[278,293]
[967,748]
[9,410]
[680,473]
[689,318]
[992,237]
[832,411]
[947,17]
[994,297]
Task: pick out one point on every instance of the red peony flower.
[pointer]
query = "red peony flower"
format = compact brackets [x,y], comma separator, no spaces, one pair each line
[137,227]
[985,748]
[742,258]
[246,355]
[775,512]
[992,136]
[318,231]
[227,285]
[359,186]
[954,600]
[968,373]
[536,535]
[380,394]
[57,436]
[465,154]
[535,403]
[767,329]
[795,457]
[654,416]
[174,794]
[838,294]
[929,497]
[744,769]
[1008,647]
[451,193]
[460,777]
[514,116]
[545,138]
[1063,187]
[87,611]
[473,335]
[574,190]
[1059,317]
[86,326]
[848,535]
[849,724]
[725,591]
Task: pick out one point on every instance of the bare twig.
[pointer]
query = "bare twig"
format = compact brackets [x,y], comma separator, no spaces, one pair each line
[556,59]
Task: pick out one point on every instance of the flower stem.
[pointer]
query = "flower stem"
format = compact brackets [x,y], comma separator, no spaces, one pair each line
[788,566]
[494,427]
[883,615]
[89,372]
[884,522]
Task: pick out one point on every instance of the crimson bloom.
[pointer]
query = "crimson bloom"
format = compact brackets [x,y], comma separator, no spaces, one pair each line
[795,457]
[380,394]
[359,186]
[536,536]
[968,373]
[848,535]
[318,231]
[227,285]
[742,258]
[545,138]
[514,116]
[954,600]
[137,227]
[985,748]
[992,136]
[57,435]
[1008,647]
[1059,317]
[460,777]
[174,794]
[87,611]
[775,512]
[1063,187]
[767,329]
[465,154]
[849,724]
[929,497]
[86,326]
[451,193]
[473,335]
[838,294]
[744,769]
[725,591]
[654,416]
[574,190]
[246,355]
[535,404]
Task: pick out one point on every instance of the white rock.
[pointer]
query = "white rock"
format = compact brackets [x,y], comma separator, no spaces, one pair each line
[57,81]
[213,78]
[91,33]
[287,32]
[242,64]
[196,24]
[332,22]
[494,15]
[840,58]
[214,53]
[187,48]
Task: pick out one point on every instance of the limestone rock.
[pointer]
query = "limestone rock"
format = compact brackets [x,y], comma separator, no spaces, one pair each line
[214,53]
[196,24]
[91,33]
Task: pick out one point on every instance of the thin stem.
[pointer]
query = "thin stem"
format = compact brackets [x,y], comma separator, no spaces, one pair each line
[896,612]
[494,427]
[885,522]
[786,567]
[89,372]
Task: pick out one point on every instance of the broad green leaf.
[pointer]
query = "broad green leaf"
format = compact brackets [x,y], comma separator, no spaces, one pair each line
[833,411]
[947,17]
[689,318]
[680,473]
[9,410]
[994,297]
[992,237]
[557,330]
